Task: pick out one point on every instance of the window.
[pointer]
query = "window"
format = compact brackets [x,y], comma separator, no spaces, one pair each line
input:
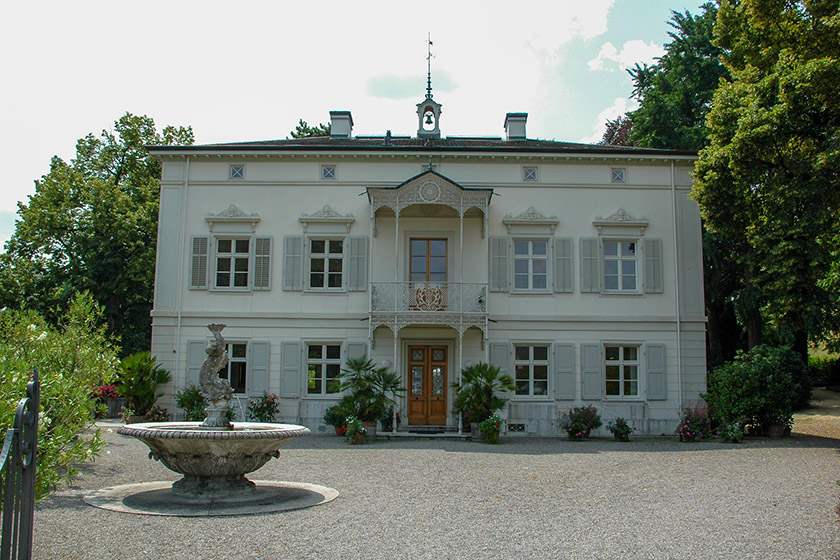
[622,371]
[328,172]
[326,264]
[323,368]
[529,174]
[237,171]
[531,370]
[236,371]
[530,266]
[618,175]
[620,261]
[232,262]
[428,260]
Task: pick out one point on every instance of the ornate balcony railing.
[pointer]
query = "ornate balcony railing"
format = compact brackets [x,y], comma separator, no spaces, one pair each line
[425,297]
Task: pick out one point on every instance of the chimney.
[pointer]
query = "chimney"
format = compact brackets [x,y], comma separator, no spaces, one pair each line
[515,126]
[341,124]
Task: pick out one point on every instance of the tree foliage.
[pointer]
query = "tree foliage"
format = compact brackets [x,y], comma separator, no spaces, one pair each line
[92,226]
[768,178]
[617,132]
[303,130]
[71,358]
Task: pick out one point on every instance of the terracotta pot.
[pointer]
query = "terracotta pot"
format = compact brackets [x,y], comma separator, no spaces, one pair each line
[340,430]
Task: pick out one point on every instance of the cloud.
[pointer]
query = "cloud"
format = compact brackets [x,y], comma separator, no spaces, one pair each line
[610,58]
[619,107]
[393,86]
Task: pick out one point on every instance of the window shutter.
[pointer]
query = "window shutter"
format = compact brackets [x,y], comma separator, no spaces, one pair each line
[195,357]
[653,266]
[498,264]
[198,262]
[290,370]
[293,263]
[590,265]
[357,268]
[656,372]
[500,356]
[590,365]
[356,350]
[258,368]
[564,367]
[262,263]
[563,279]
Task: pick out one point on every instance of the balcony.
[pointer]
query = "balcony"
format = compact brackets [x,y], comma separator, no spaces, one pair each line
[428,297]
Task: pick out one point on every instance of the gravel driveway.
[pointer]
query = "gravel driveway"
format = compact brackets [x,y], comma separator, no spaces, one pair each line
[526,498]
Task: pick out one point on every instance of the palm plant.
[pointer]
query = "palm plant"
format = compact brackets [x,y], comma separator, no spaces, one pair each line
[138,380]
[476,396]
[373,390]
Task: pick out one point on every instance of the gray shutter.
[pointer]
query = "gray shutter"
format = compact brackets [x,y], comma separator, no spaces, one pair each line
[656,372]
[500,356]
[293,262]
[356,350]
[564,367]
[590,365]
[195,357]
[590,264]
[498,264]
[198,262]
[653,266]
[357,268]
[257,380]
[262,263]
[290,371]
[563,279]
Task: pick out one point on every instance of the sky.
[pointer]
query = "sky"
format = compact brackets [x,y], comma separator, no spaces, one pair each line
[249,70]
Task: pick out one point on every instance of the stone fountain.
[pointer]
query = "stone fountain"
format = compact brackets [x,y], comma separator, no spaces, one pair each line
[213,456]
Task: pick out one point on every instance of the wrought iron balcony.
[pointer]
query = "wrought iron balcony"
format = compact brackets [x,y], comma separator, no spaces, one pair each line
[426,297]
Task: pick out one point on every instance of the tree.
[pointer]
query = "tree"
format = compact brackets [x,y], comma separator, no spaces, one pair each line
[92,226]
[768,178]
[617,131]
[303,130]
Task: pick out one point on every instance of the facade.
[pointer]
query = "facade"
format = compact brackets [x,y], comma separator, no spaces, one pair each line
[575,268]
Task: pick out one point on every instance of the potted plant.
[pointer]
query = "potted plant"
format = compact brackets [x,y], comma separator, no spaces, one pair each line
[138,379]
[336,416]
[371,391]
[731,433]
[476,396]
[694,424]
[620,429]
[579,421]
[491,428]
[356,432]
[107,396]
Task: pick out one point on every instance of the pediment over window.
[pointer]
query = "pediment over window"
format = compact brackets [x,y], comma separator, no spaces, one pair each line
[530,221]
[232,220]
[619,222]
[326,220]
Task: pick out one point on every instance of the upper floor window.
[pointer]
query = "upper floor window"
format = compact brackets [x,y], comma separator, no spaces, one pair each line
[323,368]
[328,172]
[530,265]
[326,264]
[233,258]
[621,371]
[237,171]
[620,266]
[531,370]
[618,175]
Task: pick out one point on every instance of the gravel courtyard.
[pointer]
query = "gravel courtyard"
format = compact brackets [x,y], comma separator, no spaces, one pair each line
[526,498]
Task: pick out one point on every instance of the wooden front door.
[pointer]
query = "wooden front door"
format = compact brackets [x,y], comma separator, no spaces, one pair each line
[427,385]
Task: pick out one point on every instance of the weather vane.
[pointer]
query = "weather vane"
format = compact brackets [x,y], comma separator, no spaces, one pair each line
[429,65]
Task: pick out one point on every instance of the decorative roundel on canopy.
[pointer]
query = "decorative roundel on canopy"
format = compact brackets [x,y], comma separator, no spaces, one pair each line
[429,192]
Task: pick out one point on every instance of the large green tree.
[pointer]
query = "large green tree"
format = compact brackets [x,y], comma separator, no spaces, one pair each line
[303,130]
[769,177]
[92,226]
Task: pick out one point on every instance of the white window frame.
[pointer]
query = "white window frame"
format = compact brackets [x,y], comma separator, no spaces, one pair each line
[530,363]
[618,175]
[530,258]
[325,257]
[233,359]
[622,363]
[530,174]
[233,174]
[620,259]
[329,172]
[324,361]
[215,255]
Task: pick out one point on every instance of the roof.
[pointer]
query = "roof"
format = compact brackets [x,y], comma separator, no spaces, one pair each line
[409,144]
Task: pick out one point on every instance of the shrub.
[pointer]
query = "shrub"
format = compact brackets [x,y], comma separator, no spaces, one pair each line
[730,432]
[157,414]
[71,358]
[579,421]
[476,396]
[138,381]
[620,429]
[490,428]
[264,408]
[372,389]
[824,370]
[694,424]
[757,388]
[192,402]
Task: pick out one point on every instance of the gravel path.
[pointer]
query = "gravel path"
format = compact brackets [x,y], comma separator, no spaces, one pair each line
[526,498]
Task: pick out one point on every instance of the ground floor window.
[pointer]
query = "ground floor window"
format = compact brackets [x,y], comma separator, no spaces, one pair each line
[323,368]
[622,370]
[236,371]
[531,370]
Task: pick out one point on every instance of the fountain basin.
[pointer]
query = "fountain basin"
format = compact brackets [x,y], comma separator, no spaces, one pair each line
[214,462]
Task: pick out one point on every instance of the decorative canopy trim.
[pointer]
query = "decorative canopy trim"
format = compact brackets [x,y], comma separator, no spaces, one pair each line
[530,217]
[233,215]
[620,219]
[429,187]
[326,215]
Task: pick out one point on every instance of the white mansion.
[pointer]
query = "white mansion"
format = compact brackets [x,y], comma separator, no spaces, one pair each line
[575,268]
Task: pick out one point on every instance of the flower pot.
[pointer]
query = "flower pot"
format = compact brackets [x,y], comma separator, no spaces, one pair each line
[475,433]
[340,430]
[621,437]
[777,431]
